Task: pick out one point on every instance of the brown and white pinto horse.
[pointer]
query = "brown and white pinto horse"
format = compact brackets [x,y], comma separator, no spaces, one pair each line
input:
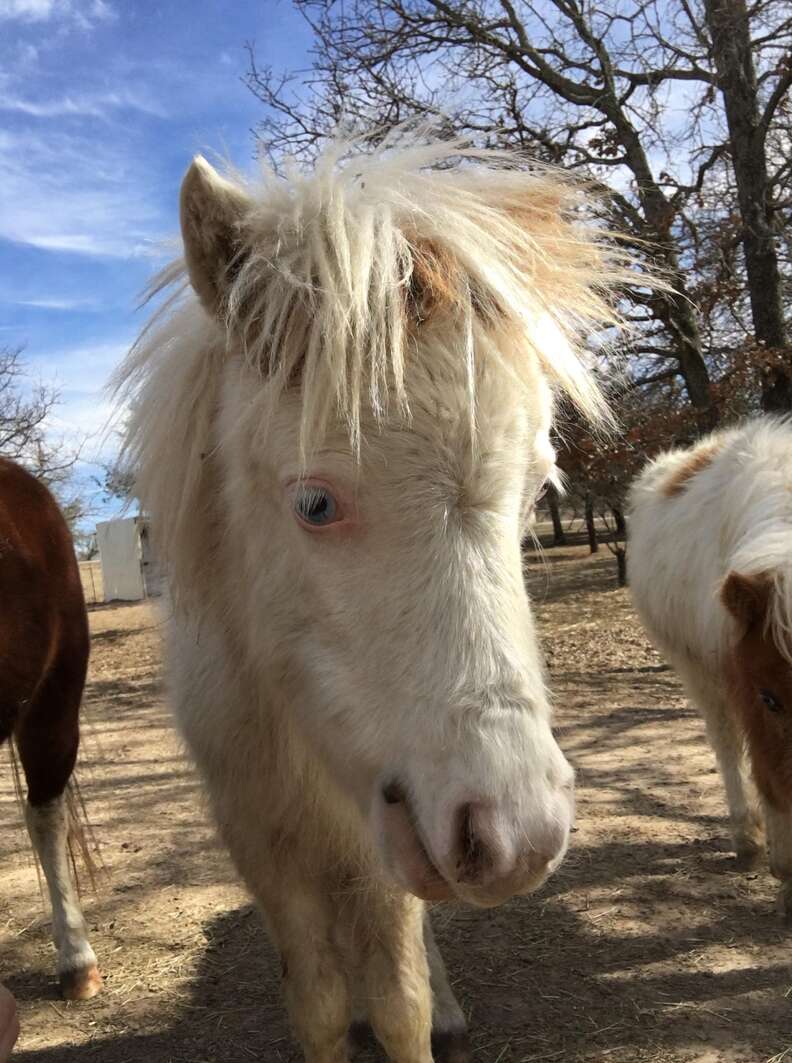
[711,577]
[44,644]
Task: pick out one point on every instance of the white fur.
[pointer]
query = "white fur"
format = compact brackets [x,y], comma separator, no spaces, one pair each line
[733,516]
[48,826]
[308,670]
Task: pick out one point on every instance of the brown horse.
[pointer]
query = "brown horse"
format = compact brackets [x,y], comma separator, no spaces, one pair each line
[44,645]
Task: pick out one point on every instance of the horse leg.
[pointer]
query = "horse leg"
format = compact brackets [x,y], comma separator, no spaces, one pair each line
[47,740]
[778,824]
[301,923]
[314,981]
[746,825]
[729,748]
[450,1042]
[396,991]
[48,826]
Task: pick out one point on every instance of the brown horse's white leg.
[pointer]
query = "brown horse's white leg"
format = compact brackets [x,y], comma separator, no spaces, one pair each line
[48,826]
[395,972]
[450,1043]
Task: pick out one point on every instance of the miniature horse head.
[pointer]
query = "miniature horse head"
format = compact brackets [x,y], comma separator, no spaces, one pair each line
[762,678]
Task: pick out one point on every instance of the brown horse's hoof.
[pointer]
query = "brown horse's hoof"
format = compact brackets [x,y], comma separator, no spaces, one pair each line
[81,984]
[451,1046]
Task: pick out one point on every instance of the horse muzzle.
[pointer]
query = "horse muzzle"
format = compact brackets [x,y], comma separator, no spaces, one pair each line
[484,855]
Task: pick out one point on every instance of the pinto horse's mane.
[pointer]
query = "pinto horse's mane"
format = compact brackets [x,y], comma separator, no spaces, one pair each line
[347,272]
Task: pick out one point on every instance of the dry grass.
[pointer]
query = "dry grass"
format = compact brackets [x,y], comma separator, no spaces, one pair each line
[646,946]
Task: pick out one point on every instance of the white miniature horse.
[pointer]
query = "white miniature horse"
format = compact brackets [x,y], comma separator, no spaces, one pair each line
[711,577]
[337,441]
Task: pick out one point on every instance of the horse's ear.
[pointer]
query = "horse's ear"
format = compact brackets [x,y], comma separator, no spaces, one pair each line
[211,210]
[747,598]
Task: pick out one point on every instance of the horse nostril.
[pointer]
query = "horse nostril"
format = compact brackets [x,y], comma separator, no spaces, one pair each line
[393,793]
[475,859]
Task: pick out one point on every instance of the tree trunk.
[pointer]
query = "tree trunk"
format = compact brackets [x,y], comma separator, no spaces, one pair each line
[620,522]
[591,527]
[674,309]
[618,547]
[679,317]
[729,27]
[559,535]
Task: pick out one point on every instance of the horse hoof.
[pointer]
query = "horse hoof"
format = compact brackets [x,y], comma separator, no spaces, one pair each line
[451,1046]
[784,902]
[81,984]
[748,858]
[361,1037]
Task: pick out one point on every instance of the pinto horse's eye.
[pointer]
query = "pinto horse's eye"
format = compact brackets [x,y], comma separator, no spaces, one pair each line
[770,701]
[315,506]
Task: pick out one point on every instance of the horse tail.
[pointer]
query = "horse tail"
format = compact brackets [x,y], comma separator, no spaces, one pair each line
[84,853]
[19,793]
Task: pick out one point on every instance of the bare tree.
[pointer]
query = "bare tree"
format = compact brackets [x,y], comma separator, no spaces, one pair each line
[25,409]
[23,412]
[585,84]
[591,524]
[749,121]
[552,500]
[118,482]
[570,85]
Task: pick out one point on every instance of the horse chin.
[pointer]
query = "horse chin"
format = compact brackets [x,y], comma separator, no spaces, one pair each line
[494,895]
[405,854]
[428,884]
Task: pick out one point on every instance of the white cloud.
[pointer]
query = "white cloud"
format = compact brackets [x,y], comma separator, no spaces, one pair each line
[56,304]
[27,55]
[99,105]
[85,414]
[84,13]
[87,417]
[64,193]
[28,10]
[81,370]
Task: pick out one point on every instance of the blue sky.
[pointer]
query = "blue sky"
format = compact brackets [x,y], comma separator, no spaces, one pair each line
[102,105]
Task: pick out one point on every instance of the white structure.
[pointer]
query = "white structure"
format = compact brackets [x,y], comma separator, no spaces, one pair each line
[129,570]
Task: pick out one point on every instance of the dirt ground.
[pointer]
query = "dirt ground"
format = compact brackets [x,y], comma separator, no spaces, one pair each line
[647,946]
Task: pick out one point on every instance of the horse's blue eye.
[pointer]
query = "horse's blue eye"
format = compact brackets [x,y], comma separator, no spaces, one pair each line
[770,701]
[315,505]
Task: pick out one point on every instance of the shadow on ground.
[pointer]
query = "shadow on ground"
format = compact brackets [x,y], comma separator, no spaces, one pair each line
[648,946]
[539,978]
